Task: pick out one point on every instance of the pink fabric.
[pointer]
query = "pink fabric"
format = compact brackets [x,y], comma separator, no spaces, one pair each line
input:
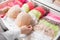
[23,1]
[54,16]
[15,2]
[11,3]
[41,9]
[31,5]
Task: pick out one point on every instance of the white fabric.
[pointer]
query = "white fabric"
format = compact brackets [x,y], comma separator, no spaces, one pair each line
[14,31]
[12,34]
[39,36]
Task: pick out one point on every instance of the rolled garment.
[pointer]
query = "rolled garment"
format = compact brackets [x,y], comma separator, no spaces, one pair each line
[50,25]
[28,6]
[13,12]
[23,19]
